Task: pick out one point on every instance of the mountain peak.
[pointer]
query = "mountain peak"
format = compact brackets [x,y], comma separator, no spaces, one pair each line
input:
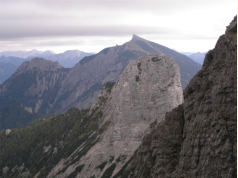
[48,52]
[44,64]
[135,37]
[38,63]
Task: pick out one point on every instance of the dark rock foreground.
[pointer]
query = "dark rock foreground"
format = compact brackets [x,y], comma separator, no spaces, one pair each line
[198,138]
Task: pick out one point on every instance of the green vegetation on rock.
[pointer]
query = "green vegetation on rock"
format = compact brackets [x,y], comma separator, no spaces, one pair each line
[40,146]
[15,116]
[109,86]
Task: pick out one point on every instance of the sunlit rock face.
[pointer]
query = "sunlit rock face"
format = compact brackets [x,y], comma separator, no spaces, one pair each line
[147,89]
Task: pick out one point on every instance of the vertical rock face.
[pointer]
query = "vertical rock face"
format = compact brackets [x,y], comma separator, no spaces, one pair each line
[205,125]
[210,110]
[147,89]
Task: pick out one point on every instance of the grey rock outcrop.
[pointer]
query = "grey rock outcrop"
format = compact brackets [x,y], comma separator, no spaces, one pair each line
[199,138]
[147,89]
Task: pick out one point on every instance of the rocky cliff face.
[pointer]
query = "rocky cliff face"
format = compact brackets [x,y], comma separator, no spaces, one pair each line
[198,138]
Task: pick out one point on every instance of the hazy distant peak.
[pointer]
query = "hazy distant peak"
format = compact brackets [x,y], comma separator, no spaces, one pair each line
[32,52]
[72,53]
[75,50]
[48,52]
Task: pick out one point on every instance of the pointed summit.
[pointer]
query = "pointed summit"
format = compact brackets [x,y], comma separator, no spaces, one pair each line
[136,38]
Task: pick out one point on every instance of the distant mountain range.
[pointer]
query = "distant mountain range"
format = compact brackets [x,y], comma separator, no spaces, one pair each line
[67,59]
[187,53]
[47,87]
[23,54]
[197,57]
[10,60]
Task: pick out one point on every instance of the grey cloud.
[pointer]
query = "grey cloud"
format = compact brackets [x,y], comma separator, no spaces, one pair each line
[51,19]
[57,31]
[20,19]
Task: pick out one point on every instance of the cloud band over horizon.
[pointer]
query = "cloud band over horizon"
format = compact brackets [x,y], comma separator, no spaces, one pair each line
[59,24]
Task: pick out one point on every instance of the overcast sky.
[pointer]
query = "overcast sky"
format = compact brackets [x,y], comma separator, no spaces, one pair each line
[91,25]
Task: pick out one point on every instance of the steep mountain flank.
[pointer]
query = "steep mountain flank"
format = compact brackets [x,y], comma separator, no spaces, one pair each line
[99,141]
[35,84]
[198,138]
